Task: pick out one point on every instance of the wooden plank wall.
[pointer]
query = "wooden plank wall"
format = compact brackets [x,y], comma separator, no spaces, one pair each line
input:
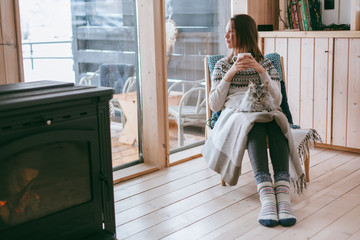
[306,71]
[353,115]
[307,80]
[346,87]
[293,80]
[321,77]
[323,81]
[11,70]
[340,93]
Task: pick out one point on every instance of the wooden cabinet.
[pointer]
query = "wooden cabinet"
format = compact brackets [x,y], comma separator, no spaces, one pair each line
[323,81]
[341,64]
[322,84]
[346,93]
[322,71]
[353,117]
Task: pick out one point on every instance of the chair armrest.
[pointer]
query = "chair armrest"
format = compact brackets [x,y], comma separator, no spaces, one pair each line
[199,92]
[184,83]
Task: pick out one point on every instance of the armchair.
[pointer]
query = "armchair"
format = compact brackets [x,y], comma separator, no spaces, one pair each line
[129,86]
[192,107]
[115,75]
[118,76]
[303,138]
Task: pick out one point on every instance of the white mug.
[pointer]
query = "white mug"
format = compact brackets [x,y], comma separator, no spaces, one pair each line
[239,55]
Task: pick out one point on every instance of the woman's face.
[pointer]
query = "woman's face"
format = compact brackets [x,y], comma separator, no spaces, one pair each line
[230,36]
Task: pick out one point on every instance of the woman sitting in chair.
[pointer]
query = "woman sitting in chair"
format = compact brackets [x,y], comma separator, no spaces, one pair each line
[244,123]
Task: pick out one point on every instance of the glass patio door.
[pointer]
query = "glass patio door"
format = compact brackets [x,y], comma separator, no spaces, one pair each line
[194,29]
[89,42]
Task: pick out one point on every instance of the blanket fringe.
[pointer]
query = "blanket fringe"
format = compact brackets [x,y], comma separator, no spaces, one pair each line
[308,142]
[299,184]
[304,152]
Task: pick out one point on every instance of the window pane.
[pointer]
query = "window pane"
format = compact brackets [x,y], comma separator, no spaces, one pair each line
[88,42]
[194,29]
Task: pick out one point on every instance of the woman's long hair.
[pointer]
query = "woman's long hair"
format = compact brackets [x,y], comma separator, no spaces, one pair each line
[247,35]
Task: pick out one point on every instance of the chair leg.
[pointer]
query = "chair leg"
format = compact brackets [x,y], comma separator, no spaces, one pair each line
[223,183]
[123,120]
[307,165]
[180,135]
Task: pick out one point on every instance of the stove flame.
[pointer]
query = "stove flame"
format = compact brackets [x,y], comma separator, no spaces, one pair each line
[2,203]
[27,199]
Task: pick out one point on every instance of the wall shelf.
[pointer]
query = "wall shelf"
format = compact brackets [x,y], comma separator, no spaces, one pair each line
[265,12]
[310,34]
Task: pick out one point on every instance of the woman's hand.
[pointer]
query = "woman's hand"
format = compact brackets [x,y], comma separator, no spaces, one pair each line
[236,67]
[247,61]
[241,64]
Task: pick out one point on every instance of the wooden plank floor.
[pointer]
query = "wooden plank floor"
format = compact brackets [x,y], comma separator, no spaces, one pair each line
[186,201]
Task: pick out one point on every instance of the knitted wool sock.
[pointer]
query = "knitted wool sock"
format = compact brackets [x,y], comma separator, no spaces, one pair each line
[286,216]
[268,215]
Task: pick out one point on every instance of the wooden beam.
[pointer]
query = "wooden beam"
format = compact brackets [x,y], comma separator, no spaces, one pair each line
[151,30]
[18,40]
[355,15]
[10,43]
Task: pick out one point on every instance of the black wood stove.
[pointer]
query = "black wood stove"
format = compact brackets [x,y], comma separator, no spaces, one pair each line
[55,162]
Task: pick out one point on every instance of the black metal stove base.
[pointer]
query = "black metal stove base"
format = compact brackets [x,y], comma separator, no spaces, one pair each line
[102,235]
[59,134]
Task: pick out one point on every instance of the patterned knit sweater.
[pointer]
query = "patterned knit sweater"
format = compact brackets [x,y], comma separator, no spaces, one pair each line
[225,94]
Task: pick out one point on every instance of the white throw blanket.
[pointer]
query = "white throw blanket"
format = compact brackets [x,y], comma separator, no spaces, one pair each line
[224,150]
